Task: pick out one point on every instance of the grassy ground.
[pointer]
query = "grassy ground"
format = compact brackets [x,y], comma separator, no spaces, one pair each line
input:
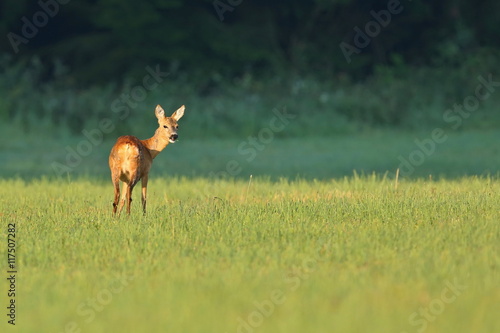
[355,254]
[305,245]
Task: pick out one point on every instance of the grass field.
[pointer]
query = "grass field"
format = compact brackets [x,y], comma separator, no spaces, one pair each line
[320,239]
[463,154]
[294,201]
[353,254]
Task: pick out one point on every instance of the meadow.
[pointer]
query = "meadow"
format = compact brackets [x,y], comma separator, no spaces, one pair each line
[306,193]
[307,229]
[464,153]
[350,254]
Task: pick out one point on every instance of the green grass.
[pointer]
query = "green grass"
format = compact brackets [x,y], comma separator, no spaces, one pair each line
[463,153]
[354,254]
[320,240]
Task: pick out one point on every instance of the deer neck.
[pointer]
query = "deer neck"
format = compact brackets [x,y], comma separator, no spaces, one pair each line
[155,144]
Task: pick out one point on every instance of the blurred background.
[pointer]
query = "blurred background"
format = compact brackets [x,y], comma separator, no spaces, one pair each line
[364,80]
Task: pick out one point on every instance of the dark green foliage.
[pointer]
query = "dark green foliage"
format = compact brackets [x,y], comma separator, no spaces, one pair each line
[233,62]
[99,39]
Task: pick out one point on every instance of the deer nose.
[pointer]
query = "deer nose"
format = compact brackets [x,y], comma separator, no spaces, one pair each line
[174,137]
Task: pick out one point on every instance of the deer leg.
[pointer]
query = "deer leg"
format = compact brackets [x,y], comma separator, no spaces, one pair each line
[116,184]
[123,197]
[144,184]
[129,197]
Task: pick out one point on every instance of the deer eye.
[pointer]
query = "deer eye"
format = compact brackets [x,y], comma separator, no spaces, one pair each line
[165,126]
[176,127]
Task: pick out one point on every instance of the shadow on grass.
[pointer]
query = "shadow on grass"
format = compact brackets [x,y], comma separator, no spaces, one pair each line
[381,152]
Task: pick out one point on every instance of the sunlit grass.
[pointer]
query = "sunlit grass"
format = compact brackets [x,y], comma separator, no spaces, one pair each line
[237,256]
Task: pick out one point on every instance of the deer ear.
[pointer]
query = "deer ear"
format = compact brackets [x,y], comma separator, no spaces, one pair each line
[179,113]
[159,112]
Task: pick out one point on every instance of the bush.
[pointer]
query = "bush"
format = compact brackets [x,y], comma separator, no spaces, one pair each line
[36,98]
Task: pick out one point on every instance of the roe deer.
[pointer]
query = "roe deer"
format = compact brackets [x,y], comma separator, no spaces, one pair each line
[130,158]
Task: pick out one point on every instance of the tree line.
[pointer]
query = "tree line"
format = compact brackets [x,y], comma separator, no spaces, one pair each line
[103,39]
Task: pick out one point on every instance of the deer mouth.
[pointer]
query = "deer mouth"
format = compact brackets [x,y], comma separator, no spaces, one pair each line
[173,138]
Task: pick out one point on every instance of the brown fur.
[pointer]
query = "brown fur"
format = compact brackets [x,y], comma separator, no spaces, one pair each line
[130,159]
